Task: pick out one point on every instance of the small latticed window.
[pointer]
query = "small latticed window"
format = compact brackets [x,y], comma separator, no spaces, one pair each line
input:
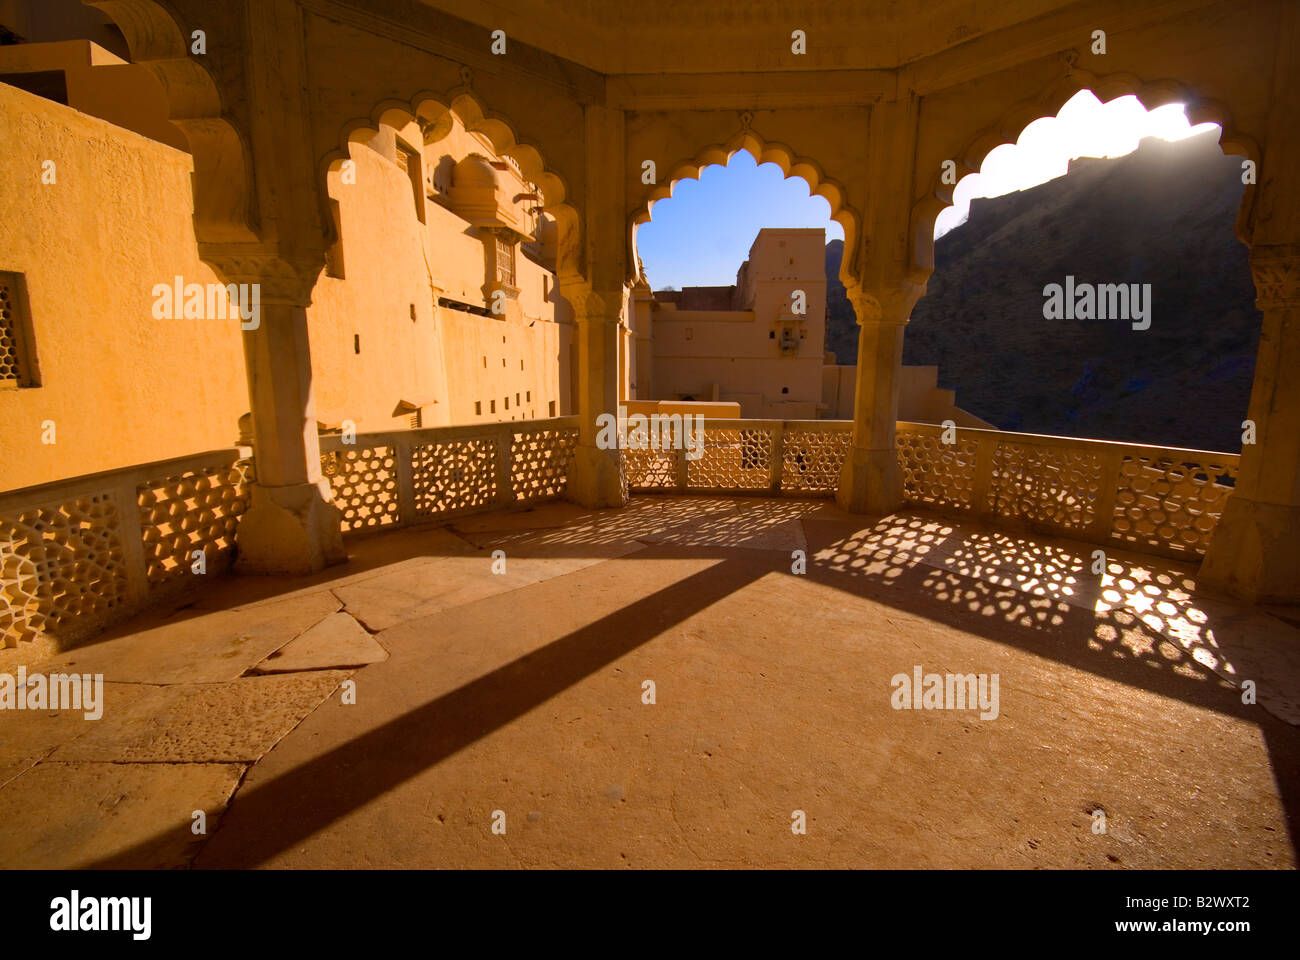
[16,362]
[505,262]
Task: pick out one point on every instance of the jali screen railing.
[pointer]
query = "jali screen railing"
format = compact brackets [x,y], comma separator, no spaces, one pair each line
[791,457]
[1163,500]
[402,477]
[79,554]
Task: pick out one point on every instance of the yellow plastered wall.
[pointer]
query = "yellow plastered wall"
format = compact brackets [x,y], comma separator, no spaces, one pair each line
[120,386]
[456,365]
[123,388]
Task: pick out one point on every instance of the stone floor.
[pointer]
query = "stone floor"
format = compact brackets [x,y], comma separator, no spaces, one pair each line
[522,692]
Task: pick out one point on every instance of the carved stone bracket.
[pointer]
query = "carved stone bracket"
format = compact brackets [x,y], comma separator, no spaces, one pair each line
[891,306]
[1276,269]
[590,306]
[280,280]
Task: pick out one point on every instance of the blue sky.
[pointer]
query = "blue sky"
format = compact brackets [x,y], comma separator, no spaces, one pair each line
[702,233]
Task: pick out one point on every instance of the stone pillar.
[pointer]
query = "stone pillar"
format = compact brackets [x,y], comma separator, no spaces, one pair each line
[871,481]
[1255,551]
[291,525]
[596,475]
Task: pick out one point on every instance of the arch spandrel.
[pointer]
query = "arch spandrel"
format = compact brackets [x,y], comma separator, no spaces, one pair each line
[937,195]
[358,76]
[1215,71]
[835,140]
[206,102]
[434,113]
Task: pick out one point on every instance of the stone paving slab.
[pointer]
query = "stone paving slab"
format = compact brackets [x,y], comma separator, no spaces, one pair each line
[197,646]
[338,641]
[67,815]
[234,722]
[29,736]
[420,591]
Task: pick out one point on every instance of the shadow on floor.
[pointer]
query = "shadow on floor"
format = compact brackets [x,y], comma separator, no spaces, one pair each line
[1140,624]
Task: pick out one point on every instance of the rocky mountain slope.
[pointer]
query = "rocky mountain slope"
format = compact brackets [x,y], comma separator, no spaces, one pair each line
[1163,216]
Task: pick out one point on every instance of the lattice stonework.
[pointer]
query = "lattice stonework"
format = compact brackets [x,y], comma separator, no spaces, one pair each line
[11,369]
[455,476]
[62,569]
[364,484]
[192,511]
[539,463]
[733,460]
[811,460]
[1166,502]
[1046,484]
[935,473]
[650,469]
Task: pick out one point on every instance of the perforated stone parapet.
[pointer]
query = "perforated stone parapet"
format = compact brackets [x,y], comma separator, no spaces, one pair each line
[62,568]
[192,511]
[1171,503]
[811,460]
[1051,485]
[364,486]
[935,473]
[455,476]
[539,463]
[733,459]
[650,469]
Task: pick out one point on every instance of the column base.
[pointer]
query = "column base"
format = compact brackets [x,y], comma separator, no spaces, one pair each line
[596,478]
[870,482]
[294,529]
[1253,554]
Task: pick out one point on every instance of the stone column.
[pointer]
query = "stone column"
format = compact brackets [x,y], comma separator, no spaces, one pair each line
[871,481]
[1255,551]
[596,475]
[291,525]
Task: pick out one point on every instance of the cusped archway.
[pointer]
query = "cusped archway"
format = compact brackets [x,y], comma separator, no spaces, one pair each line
[223,204]
[1008,129]
[791,165]
[435,114]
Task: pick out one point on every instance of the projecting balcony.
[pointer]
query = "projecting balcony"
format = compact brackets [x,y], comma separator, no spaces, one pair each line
[489,647]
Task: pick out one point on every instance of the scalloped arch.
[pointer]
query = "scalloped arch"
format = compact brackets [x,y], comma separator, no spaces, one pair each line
[434,112]
[223,197]
[791,164]
[1011,125]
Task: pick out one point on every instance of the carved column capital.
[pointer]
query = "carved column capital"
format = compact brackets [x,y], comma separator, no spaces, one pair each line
[888,305]
[1276,269]
[280,279]
[591,306]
